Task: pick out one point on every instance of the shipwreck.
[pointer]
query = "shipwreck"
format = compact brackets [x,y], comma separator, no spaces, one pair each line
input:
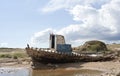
[60,52]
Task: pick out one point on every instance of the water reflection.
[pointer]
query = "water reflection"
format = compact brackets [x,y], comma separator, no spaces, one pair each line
[63,72]
[48,72]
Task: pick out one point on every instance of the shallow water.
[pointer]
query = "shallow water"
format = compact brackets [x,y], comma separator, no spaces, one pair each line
[64,72]
[14,72]
[50,72]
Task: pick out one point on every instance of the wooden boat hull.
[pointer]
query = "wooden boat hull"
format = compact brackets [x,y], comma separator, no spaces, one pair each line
[43,56]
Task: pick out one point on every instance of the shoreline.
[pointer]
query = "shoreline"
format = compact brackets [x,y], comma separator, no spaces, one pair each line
[109,68]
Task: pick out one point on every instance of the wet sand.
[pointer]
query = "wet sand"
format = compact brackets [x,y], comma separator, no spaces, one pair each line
[65,72]
[108,68]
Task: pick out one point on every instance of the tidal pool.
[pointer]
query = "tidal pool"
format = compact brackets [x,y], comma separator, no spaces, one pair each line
[49,72]
[14,72]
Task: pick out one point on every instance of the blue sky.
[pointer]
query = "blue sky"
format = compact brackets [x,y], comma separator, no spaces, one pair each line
[29,21]
[20,19]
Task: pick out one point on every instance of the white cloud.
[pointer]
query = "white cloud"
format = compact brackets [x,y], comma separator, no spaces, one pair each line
[41,39]
[101,23]
[3,44]
[54,5]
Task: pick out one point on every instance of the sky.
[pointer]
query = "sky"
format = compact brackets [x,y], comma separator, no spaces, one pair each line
[31,21]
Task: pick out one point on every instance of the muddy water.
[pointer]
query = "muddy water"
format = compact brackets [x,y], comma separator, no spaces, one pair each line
[52,72]
[61,72]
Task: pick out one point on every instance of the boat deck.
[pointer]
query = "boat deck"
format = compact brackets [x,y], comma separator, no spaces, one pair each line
[45,55]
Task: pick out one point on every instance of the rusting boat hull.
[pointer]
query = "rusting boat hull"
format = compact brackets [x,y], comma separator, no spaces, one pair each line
[51,57]
[43,56]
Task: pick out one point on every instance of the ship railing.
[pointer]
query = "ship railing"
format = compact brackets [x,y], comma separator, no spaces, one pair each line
[46,50]
[54,51]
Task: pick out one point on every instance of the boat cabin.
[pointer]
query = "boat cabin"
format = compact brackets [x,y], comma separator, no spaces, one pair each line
[57,42]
